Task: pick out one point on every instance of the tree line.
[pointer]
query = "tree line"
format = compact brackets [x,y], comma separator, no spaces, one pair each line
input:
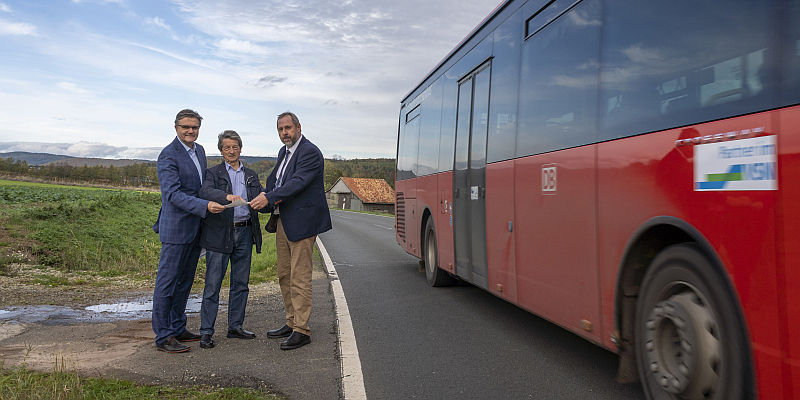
[138,175]
[145,175]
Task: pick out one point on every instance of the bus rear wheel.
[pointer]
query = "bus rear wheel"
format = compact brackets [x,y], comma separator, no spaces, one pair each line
[690,343]
[435,275]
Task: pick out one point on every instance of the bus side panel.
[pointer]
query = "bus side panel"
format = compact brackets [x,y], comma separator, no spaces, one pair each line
[427,197]
[444,222]
[627,198]
[556,237]
[648,176]
[789,172]
[500,251]
[400,206]
[410,220]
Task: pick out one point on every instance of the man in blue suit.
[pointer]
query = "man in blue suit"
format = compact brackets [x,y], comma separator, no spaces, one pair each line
[181,167]
[296,192]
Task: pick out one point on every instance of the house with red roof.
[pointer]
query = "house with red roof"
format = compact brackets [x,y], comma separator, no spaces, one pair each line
[361,194]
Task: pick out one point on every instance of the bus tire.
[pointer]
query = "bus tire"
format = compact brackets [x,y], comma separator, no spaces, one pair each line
[436,276]
[690,343]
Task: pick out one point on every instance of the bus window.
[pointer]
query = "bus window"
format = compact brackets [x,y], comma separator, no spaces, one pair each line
[448,130]
[558,84]
[504,91]
[674,66]
[430,121]
[407,159]
[791,54]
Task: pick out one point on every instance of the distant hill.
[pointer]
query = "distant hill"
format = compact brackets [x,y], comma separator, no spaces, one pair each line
[246,159]
[56,159]
[93,162]
[33,158]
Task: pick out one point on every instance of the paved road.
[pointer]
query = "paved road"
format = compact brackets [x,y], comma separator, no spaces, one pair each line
[415,341]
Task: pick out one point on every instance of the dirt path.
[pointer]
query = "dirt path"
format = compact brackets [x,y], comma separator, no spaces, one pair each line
[125,349]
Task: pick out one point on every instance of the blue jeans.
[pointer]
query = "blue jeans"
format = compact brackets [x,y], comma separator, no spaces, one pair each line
[176,268]
[216,265]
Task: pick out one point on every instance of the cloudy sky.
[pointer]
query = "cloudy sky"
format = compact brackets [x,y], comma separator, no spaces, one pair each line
[105,78]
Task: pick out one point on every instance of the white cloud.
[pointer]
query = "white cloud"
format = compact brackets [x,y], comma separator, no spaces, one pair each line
[241,46]
[143,153]
[16,28]
[4,7]
[71,87]
[159,22]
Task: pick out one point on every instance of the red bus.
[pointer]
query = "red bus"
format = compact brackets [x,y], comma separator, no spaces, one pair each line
[629,170]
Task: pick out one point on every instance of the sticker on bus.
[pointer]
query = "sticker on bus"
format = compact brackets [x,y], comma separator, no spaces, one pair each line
[746,164]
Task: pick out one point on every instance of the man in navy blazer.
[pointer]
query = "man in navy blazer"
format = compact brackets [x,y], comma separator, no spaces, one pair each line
[181,167]
[296,192]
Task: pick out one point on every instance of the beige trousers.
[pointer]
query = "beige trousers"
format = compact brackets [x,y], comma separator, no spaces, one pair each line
[294,277]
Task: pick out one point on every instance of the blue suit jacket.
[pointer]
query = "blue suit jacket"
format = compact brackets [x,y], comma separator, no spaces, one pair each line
[181,208]
[301,198]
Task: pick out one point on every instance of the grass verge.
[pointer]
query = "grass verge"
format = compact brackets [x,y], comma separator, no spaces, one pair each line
[104,233]
[21,383]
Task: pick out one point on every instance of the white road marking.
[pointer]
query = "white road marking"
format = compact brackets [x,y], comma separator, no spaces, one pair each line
[352,379]
[384,227]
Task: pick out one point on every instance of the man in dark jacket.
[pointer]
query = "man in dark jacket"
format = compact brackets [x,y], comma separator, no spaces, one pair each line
[229,236]
[295,190]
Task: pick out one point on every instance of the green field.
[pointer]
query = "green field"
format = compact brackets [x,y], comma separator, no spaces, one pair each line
[21,183]
[102,232]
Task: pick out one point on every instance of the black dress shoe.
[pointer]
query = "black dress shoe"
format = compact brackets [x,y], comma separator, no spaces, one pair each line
[283,331]
[240,333]
[206,341]
[187,336]
[295,341]
[172,345]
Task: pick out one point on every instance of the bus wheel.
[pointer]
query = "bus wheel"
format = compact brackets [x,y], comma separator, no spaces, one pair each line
[436,276]
[690,343]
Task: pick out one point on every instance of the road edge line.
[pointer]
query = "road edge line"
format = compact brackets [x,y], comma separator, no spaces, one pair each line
[352,379]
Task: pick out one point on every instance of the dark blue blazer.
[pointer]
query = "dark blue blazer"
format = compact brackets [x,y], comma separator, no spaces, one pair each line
[182,210]
[217,232]
[301,198]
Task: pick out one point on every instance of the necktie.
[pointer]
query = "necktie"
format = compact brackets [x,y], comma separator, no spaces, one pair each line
[285,162]
[193,156]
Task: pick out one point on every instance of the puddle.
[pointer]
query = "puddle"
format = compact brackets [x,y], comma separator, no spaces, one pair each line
[141,308]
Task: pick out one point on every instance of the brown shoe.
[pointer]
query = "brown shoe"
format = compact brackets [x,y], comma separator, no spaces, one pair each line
[172,345]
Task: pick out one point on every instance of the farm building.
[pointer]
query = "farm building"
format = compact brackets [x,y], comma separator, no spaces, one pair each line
[361,194]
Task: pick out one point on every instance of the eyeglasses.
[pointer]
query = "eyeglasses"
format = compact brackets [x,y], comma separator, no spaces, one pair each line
[228,148]
[189,127]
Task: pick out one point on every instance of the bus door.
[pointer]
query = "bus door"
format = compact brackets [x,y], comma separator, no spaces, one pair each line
[469,177]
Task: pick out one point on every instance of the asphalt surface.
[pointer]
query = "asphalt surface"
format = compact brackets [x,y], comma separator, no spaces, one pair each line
[461,342]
